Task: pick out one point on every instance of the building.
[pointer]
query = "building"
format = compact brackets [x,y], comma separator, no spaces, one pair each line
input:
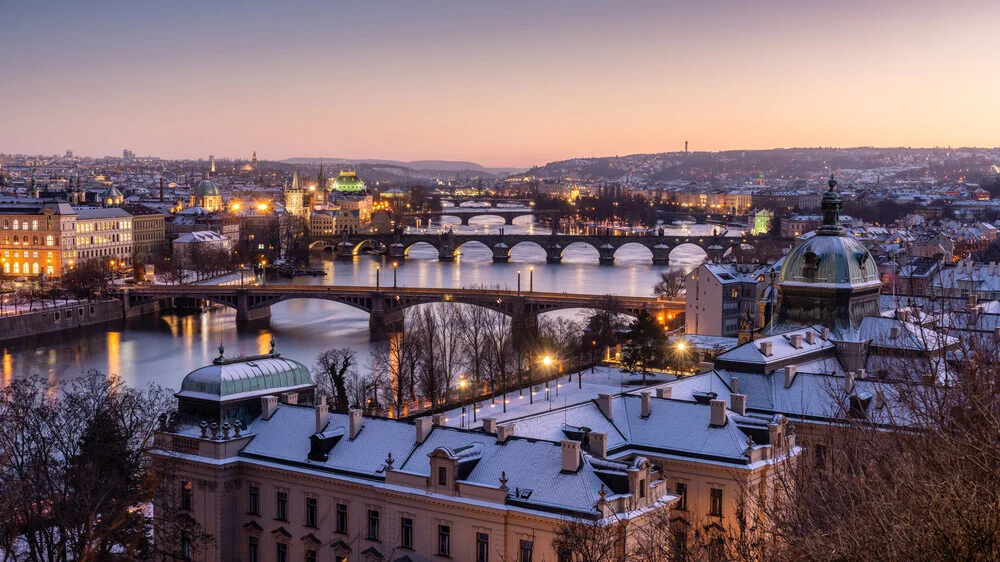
[206,195]
[798,225]
[192,245]
[272,474]
[762,220]
[104,234]
[295,197]
[260,232]
[719,296]
[39,237]
[148,233]
[349,183]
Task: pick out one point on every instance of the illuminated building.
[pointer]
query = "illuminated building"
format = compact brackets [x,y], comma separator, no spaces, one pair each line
[37,237]
[349,182]
[206,195]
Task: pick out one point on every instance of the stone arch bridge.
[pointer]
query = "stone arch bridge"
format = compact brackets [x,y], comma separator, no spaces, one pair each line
[386,306]
[396,245]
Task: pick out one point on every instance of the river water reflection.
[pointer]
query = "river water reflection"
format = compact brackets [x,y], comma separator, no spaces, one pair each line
[163,349]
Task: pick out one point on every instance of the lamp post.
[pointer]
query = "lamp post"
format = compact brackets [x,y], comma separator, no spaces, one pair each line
[518,282]
[531,279]
[547,362]
[462,383]
[378,273]
[394,265]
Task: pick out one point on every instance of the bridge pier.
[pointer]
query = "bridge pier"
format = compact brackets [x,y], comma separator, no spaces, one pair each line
[607,252]
[446,252]
[508,219]
[523,326]
[661,254]
[345,250]
[382,324]
[501,253]
[553,253]
[464,219]
[397,251]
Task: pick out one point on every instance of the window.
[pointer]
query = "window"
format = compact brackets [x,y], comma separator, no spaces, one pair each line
[406,536]
[186,547]
[680,541]
[373,524]
[252,546]
[342,518]
[715,505]
[282,553]
[482,547]
[186,494]
[255,500]
[444,540]
[310,555]
[821,456]
[526,549]
[310,512]
[564,555]
[682,491]
[642,488]
[282,511]
[442,476]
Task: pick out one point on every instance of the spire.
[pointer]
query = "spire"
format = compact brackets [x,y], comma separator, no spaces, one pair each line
[295,179]
[321,179]
[832,202]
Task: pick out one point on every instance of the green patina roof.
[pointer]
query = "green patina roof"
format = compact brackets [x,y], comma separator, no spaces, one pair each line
[244,377]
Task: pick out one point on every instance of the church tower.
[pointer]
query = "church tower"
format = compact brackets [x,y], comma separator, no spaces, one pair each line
[253,163]
[294,196]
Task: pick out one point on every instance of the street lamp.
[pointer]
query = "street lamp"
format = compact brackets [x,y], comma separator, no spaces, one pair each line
[518,282]
[462,383]
[378,274]
[531,279]
[394,265]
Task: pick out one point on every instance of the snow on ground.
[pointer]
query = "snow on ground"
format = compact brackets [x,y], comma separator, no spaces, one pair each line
[603,380]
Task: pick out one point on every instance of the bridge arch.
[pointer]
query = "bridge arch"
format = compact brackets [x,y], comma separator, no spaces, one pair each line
[528,250]
[688,253]
[634,252]
[583,252]
[369,244]
[477,250]
[423,247]
[322,245]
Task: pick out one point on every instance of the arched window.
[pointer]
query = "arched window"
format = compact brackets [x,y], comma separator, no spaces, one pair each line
[50,270]
[16,224]
[26,269]
[34,240]
[34,225]
[17,267]
[34,268]
[6,267]
[50,240]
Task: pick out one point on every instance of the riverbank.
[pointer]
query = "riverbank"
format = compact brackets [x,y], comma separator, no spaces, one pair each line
[75,315]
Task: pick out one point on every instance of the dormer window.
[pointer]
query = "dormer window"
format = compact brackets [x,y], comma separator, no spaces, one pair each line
[442,476]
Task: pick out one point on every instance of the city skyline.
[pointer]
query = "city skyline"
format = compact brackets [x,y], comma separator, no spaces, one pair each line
[508,85]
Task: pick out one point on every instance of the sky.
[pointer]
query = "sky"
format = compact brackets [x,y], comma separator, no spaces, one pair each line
[501,83]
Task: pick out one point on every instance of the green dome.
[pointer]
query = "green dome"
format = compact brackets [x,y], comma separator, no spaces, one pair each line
[349,182]
[245,377]
[206,188]
[829,260]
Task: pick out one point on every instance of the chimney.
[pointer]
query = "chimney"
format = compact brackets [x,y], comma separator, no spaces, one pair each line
[810,337]
[973,301]
[490,425]
[645,403]
[825,334]
[861,373]
[667,391]
[705,367]
[355,415]
[893,332]
[161,189]
[570,456]
[505,432]
[604,403]
[797,341]
[739,403]
[268,405]
[598,444]
[849,382]
[322,416]
[424,426]
[734,384]
[290,398]
[996,334]
[320,399]
[439,419]
[790,371]
[765,348]
[719,415]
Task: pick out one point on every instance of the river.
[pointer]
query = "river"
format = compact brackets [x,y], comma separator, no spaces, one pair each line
[163,349]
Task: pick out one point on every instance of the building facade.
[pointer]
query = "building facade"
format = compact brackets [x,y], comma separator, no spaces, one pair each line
[38,238]
[104,234]
[148,233]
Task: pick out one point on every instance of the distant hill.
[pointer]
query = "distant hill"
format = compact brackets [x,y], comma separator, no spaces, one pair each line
[420,165]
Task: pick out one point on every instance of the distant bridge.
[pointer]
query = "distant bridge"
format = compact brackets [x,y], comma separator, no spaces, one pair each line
[386,305]
[466,213]
[396,245]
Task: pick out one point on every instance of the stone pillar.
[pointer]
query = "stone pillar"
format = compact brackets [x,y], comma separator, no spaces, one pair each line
[607,252]
[397,251]
[501,253]
[553,252]
[344,250]
[661,254]
[245,314]
[508,218]
[383,323]
[523,324]
[465,219]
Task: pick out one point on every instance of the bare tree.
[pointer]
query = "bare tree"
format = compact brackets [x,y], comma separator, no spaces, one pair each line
[334,367]
[671,284]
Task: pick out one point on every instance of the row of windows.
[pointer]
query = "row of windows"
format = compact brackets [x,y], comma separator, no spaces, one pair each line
[103,239]
[374,524]
[97,226]
[525,554]
[35,240]
[34,268]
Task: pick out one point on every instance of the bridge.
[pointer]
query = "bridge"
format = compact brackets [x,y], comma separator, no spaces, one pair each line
[396,245]
[466,213]
[386,306]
